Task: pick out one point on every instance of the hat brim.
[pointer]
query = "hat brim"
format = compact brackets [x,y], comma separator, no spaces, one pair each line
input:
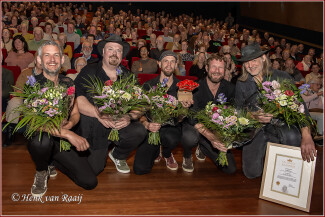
[252,56]
[125,45]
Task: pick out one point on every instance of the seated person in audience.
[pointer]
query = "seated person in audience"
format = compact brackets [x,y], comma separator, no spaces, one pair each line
[170,134]
[93,31]
[175,45]
[296,75]
[19,55]
[14,23]
[12,116]
[6,40]
[180,68]
[305,64]
[234,50]
[6,88]
[144,65]
[79,63]
[285,54]
[135,52]
[24,31]
[230,67]
[278,64]
[185,55]
[127,34]
[38,40]
[156,52]
[90,38]
[293,52]
[198,67]
[314,72]
[314,99]
[256,69]
[66,64]
[134,38]
[60,23]
[33,24]
[67,49]
[311,53]
[153,43]
[277,53]
[300,52]
[79,24]
[49,35]
[72,36]
[215,43]
[166,36]
[149,32]
[86,53]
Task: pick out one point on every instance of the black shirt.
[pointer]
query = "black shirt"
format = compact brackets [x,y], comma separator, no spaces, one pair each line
[93,70]
[155,53]
[197,72]
[63,80]
[202,95]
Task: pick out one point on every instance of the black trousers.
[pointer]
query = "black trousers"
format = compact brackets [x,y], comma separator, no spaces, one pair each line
[96,134]
[72,163]
[170,137]
[213,153]
[254,152]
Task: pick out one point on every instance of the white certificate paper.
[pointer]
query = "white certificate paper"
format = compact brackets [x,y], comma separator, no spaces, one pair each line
[287,175]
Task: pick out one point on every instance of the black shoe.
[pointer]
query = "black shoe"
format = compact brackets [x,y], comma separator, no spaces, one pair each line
[9,135]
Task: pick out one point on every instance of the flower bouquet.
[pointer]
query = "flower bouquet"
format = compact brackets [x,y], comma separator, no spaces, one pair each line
[117,99]
[163,108]
[283,101]
[44,108]
[185,89]
[233,128]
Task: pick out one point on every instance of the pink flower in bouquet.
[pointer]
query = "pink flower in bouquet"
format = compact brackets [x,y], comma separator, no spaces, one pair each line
[275,84]
[71,91]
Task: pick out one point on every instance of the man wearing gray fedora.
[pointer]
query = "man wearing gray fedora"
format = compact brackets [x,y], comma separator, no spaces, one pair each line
[96,128]
[256,69]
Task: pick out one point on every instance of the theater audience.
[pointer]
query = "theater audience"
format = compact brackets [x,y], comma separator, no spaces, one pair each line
[198,67]
[305,64]
[79,64]
[296,75]
[38,40]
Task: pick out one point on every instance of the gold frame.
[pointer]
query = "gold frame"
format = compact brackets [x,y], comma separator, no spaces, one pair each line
[307,175]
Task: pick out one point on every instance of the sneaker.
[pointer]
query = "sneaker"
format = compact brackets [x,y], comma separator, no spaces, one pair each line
[188,165]
[40,183]
[120,165]
[171,163]
[52,171]
[158,159]
[199,155]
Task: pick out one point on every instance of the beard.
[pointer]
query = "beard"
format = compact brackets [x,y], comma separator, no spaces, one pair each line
[86,53]
[160,47]
[51,72]
[113,60]
[215,80]
[168,74]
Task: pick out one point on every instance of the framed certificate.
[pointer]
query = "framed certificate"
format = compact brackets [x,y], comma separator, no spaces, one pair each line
[287,178]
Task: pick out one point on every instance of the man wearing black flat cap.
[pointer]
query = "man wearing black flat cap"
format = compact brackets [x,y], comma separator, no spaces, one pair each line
[256,69]
[96,128]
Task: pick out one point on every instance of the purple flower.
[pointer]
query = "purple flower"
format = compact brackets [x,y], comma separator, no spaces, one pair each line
[118,71]
[221,98]
[113,105]
[270,96]
[100,97]
[303,88]
[31,81]
[164,82]
[215,116]
[154,88]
